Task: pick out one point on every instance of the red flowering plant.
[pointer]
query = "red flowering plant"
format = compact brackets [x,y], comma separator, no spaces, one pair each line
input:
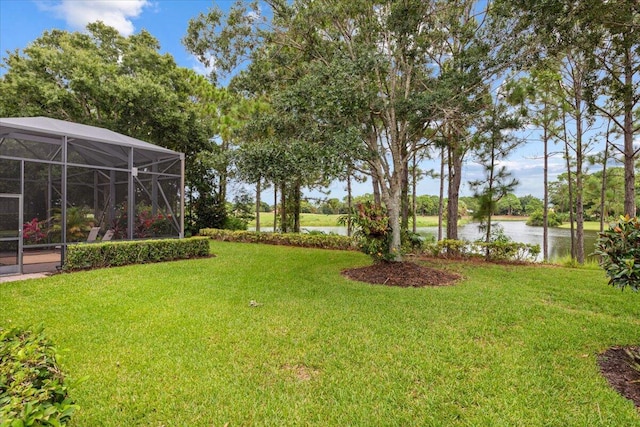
[162,225]
[32,232]
[145,224]
[372,231]
[149,225]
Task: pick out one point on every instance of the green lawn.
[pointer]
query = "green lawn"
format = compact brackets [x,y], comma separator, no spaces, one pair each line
[178,344]
[588,225]
[322,220]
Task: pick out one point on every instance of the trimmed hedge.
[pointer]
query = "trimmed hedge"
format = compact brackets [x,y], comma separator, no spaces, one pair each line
[111,254]
[322,241]
[33,390]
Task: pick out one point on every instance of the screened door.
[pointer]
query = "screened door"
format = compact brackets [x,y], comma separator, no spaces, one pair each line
[10,234]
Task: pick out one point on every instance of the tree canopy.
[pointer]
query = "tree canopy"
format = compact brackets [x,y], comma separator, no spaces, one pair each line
[361,81]
[124,84]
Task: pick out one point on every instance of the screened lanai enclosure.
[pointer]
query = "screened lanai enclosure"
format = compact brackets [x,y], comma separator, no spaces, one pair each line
[62,183]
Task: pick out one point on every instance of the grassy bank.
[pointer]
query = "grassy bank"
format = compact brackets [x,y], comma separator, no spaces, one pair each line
[588,225]
[179,343]
[322,220]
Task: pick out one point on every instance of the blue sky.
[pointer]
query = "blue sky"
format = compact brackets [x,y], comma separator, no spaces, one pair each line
[22,21]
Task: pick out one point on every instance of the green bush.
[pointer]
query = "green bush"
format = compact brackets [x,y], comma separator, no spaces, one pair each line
[33,390]
[234,223]
[498,250]
[323,241]
[373,231]
[510,251]
[111,254]
[449,247]
[619,250]
[414,242]
[536,219]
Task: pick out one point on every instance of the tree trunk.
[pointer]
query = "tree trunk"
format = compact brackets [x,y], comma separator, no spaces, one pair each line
[296,206]
[414,195]
[629,152]
[441,197]
[391,197]
[283,208]
[349,204]
[603,187]
[393,210]
[455,177]
[377,199]
[570,188]
[545,203]
[571,215]
[490,207]
[222,187]
[404,195]
[190,204]
[275,207]
[258,206]
[579,192]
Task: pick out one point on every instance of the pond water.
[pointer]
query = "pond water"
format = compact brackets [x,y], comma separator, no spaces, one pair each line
[518,231]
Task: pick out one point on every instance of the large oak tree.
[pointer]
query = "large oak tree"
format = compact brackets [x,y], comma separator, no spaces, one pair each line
[364,80]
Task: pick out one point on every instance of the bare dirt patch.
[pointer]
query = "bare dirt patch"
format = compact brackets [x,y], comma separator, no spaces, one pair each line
[402,274]
[615,365]
[301,372]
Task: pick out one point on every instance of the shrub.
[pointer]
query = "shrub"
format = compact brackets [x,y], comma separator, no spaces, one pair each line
[111,254]
[536,219]
[619,250]
[33,232]
[373,231]
[413,242]
[79,223]
[234,223]
[146,224]
[502,248]
[449,247]
[498,250]
[633,353]
[323,241]
[510,251]
[33,389]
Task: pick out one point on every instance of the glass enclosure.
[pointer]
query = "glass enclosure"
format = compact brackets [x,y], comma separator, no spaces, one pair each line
[79,183]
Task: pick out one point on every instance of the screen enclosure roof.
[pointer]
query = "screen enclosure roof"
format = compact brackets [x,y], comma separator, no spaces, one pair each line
[53,130]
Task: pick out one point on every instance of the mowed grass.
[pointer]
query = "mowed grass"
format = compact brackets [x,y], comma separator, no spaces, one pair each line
[323,220]
[178,343]
[588,225]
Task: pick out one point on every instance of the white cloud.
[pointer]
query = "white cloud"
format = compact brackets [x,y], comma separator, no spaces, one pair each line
[528,172]
[201,68]
[115,13]
[524,165]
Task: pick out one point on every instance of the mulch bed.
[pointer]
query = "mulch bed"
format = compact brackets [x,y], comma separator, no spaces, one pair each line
[614,365]
[402,274]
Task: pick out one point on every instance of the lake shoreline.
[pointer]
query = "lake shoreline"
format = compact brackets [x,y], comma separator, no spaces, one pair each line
[517,230]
